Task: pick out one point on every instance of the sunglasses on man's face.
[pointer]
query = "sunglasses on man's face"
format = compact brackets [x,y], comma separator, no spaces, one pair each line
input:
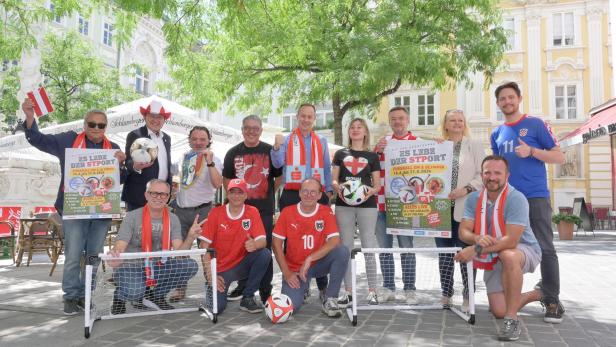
[93,125]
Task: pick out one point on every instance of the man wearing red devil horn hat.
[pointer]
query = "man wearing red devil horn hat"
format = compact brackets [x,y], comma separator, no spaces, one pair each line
[140,173]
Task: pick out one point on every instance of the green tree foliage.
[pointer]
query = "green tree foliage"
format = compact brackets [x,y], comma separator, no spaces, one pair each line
[9,87]
[348,52]
[21,20]
[76,80]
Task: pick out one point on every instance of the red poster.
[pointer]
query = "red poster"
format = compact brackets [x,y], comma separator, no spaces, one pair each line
[44,209]
[12,214]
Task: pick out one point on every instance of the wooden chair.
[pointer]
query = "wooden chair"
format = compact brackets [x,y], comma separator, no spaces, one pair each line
[8,239]
[42,236]
[601,215]
[565,210]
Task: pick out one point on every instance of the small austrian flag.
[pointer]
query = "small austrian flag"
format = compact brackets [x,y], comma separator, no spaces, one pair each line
[42,104]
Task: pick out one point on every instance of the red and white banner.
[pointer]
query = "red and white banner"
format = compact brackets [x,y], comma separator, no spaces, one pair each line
[42,104]
[11,214]
[44,209]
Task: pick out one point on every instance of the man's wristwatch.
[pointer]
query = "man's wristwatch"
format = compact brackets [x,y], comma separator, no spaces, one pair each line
[478,249]
[210,164]
[469,189]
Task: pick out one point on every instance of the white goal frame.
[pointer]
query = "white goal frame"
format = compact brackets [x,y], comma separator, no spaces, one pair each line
[352,311]
[89,309]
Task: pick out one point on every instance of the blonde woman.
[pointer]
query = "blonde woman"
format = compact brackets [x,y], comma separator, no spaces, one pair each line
[356,166]
[465,178]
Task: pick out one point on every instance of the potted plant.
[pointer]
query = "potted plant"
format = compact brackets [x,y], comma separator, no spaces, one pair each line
[565,224]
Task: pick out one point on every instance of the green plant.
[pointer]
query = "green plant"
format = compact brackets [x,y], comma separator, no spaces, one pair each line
[567,218]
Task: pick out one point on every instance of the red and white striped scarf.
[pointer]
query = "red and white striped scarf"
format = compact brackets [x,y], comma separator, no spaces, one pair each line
[381,196]
[146,240]
[498,229]
[295,171]
[80,141]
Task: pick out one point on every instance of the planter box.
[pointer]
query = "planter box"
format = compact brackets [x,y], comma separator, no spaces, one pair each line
[565,230]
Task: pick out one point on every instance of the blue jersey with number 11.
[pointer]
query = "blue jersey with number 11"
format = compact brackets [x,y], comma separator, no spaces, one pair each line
[528,175]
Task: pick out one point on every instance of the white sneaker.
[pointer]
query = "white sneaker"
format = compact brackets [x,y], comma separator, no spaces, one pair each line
[410,297]
[386,294]
[445,301]
[400,295]
[330,308]
[372,298]
[465,305]
[345,300]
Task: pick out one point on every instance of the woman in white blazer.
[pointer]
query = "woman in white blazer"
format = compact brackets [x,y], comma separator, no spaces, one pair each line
[465,178]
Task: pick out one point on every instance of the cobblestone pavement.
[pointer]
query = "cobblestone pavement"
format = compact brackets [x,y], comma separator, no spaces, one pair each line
[30,315]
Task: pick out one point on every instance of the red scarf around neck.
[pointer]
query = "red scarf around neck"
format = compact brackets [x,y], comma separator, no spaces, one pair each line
[296,160]
[146,240]
[80,141]
[498,228]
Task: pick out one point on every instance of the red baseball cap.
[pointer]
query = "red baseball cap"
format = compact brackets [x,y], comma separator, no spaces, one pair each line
[238,183]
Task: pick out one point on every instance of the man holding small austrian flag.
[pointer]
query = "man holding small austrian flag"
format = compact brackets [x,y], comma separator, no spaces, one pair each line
[80,235]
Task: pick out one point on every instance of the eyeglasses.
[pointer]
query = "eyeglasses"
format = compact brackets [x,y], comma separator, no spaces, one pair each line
[251,129]
[159,194]
[93,125]
[310,192]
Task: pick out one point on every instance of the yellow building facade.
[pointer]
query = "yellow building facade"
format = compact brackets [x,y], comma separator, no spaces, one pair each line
[559,54]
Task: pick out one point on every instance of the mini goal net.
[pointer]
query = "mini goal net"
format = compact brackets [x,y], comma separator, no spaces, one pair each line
[433,280]
[148,283]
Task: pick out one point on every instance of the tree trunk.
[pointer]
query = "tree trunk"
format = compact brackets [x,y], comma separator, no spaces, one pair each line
[338,115]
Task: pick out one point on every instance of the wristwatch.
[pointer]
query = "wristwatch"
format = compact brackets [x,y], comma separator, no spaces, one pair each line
[210,164]
[478,249]
[469,189]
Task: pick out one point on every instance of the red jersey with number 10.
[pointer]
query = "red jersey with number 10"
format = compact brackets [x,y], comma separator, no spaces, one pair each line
[227,235]
[304,233]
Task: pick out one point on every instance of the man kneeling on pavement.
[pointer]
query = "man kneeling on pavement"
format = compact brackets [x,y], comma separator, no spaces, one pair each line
[237,234]
[313,248]
[497,227]
[149,229]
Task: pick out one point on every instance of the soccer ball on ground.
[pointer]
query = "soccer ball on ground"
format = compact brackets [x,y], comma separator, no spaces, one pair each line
[278,308]
[144,150]
[353,192]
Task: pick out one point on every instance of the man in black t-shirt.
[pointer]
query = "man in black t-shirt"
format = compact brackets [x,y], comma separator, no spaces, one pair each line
[250,160]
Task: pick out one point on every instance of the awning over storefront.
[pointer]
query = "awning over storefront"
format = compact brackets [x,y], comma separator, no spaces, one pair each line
[602,122]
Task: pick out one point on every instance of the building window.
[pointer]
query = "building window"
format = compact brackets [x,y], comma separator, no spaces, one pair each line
[142,81]
[509,26]
[324,119]
[571,168]
[565,101]
[56,18]
[7,64]
[563,29]
[107,34]
[425,109]
[421,105]
[404,101]
[500,116]
[289,121]
[84,26]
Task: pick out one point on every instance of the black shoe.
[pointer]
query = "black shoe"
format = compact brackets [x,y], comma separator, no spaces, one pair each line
[118,306]
[250,305]
[146,302]
[554,313]
[162,304]
[70,307]
[236,294]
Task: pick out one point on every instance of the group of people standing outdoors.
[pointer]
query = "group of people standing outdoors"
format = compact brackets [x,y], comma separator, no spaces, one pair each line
[488,217]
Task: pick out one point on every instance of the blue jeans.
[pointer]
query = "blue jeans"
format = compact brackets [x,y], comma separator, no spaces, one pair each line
[407,260]
[81,235]
[446,262]
[334,263]
[540,214]
[253,268]
[130,277]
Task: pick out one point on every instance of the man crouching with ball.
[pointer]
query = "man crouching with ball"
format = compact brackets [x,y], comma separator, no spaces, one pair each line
[313,248]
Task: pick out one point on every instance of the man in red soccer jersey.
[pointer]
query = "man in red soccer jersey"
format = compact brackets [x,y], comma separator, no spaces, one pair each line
[313,248]
[236,232]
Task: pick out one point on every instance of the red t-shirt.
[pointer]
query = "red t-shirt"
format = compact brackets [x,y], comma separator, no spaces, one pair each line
[305,233]
[227,235]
